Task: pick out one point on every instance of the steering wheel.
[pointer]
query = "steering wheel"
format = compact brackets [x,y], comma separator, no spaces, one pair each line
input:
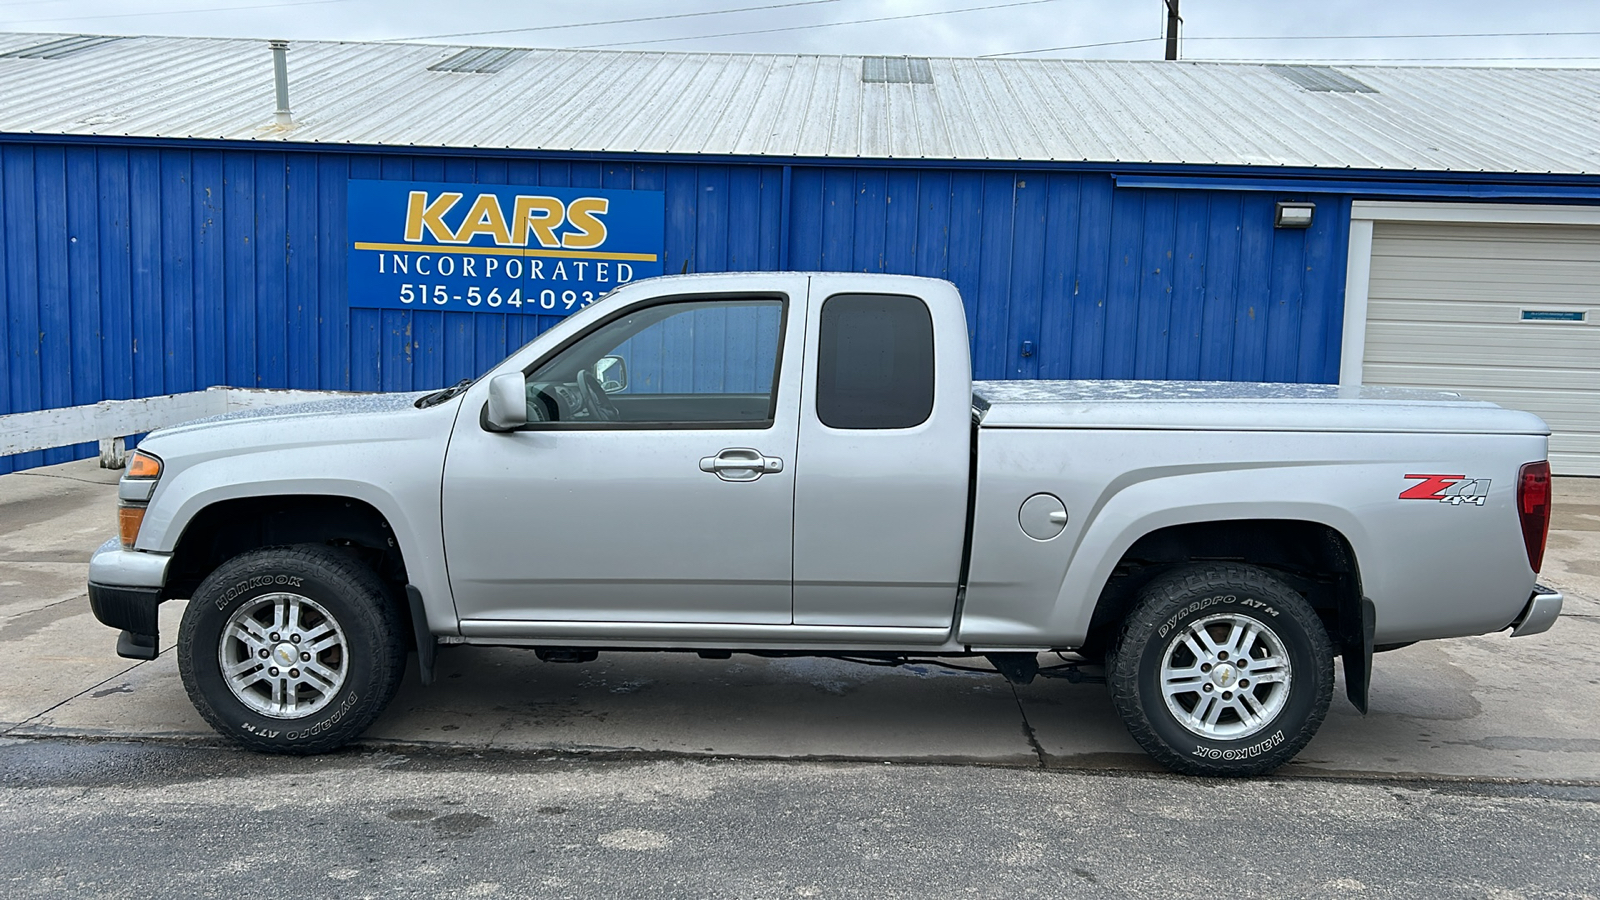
[596,400]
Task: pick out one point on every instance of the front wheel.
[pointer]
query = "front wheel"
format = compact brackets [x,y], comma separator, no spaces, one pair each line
[1221,670]
[291,649]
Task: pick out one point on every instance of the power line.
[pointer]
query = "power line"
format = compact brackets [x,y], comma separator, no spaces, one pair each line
[16,3]
[1331,37]
[1341,60]
[923,15]
[175,12]
[1380,37]
[1072,47]
[689,15]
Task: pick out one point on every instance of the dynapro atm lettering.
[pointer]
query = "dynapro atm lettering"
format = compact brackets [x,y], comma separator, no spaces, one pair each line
[498,248]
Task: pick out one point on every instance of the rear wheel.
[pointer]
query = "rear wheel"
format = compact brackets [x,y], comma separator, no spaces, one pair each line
[1221,670]
[291,649]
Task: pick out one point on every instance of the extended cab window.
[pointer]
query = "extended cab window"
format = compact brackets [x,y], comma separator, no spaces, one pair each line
[874,362]
[681,363]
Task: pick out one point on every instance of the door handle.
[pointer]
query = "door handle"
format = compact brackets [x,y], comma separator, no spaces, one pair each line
[740,464]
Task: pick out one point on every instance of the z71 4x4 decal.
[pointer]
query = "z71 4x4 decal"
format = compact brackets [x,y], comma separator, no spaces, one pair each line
[1452,489]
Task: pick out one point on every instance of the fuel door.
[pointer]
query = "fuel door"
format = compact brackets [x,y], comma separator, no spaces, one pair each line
[1042,516]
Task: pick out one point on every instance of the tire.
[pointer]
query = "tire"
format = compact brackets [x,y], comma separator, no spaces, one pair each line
[324,617]
[1166,692]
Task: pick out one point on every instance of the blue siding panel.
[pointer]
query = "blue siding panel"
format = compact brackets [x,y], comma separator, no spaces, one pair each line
[996,217]
[838,220]
[239,268]
[1024,306]
[83,268]
[210,283]
[871,222]
[300,296]
[900,230]
[1224,235]
[1253,297]
[1155,285]
[144,221]
[804,252]
[1327,256]
[177,273]
[144,269]
[55,312]
[966,245]
[1123,280]
[333,355]
[1093,280]
[1283,317]
[22,289]
[1059,280]
[1186,328]
[116,307]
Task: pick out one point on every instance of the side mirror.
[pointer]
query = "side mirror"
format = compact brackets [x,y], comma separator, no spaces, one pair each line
[612,373]
[508,402]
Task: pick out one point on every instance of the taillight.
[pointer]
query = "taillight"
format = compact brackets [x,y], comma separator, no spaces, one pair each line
[1533,508]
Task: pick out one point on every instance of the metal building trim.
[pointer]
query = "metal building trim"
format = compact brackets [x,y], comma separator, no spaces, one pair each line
[1164,176]
[1468,188]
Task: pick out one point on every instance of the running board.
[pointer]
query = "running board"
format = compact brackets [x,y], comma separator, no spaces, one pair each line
[692,634]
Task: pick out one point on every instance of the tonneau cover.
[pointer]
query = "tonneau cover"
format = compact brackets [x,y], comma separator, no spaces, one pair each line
[1240,406]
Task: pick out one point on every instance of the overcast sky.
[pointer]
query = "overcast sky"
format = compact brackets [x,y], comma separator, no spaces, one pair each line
[1291,29]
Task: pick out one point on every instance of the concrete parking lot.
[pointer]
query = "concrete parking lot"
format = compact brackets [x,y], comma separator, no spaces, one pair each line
[1481,708]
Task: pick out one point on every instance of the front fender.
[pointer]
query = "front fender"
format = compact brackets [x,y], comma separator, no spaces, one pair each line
[399,476]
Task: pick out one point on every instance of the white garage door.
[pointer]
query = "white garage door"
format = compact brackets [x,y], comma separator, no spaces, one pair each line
[1506,313]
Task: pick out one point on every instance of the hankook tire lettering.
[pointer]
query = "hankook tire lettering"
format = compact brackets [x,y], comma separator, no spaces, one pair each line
[1250,752]
[248,584]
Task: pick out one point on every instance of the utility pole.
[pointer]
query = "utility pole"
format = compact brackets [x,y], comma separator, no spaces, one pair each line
[1173,21]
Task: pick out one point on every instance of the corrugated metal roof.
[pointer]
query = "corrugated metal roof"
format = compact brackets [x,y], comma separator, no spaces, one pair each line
[1462,119]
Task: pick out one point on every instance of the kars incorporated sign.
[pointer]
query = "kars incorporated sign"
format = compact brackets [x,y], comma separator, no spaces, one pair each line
[497,248]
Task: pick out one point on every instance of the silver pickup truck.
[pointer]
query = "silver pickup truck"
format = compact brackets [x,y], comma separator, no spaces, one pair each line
[800,464]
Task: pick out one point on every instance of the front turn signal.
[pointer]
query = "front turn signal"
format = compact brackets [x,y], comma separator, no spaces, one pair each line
[143,465]
[129,518]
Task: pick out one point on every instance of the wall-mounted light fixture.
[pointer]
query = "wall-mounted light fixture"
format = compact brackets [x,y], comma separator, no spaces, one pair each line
[1294,215]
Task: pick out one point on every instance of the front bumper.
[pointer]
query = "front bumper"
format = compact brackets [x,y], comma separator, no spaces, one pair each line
[124,591]
[1540,613]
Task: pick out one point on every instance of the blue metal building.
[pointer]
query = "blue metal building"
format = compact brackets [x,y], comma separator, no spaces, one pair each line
[161,233]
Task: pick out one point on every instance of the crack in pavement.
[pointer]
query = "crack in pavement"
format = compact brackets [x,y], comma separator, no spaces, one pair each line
[98,684]
[1027,728]
[66,478]
[39,609]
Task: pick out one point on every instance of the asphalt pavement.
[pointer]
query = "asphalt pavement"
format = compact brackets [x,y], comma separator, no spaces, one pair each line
[109,820]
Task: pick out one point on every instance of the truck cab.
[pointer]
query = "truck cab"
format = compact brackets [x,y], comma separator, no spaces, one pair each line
[760,464]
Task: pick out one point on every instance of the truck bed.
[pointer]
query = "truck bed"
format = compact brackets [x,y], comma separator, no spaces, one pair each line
[1240,406]
[1129,458]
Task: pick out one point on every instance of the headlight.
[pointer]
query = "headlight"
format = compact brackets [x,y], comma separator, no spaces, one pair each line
[143,465]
